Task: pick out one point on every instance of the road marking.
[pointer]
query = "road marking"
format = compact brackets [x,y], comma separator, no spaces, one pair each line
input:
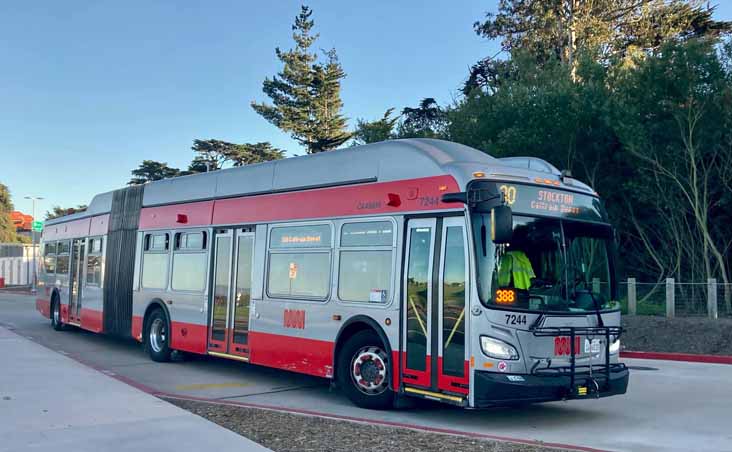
[202,386]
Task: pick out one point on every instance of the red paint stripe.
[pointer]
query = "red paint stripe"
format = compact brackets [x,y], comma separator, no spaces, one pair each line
[414,195]
[188,337]
[136,328]
[99,225]
[92,320]
[449,382]
[297,354]
[44,307]
[196,214]
[688,357]
[419,377]
[372,198]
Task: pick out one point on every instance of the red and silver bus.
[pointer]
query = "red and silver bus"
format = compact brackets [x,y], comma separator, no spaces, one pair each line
[413,267]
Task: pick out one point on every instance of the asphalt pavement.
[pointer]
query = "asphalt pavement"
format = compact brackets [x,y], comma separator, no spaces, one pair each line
[669,405]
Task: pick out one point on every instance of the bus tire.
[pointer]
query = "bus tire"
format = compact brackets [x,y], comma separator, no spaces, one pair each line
[56,322]
[364,371]
[157,337]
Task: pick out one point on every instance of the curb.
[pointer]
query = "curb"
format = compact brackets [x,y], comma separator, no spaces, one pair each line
[685,357]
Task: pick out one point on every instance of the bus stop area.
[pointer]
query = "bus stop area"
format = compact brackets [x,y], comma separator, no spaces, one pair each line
[83,379]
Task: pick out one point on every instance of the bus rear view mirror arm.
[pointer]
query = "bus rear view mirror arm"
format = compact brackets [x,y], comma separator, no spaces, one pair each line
[460,196]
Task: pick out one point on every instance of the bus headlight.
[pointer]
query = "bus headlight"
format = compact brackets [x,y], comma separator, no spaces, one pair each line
[495,348]
[615,347]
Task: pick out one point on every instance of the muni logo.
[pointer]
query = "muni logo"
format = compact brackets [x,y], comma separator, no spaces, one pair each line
[294,318]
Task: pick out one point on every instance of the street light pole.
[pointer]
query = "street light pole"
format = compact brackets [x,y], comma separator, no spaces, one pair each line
[33,240]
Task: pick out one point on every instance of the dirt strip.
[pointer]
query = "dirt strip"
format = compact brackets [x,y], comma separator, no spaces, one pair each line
[679,335]
[287,432]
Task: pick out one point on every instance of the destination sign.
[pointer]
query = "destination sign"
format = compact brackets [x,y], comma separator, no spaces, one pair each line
[547,201]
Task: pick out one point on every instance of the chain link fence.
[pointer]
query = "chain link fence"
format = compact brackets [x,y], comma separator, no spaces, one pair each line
[669,298]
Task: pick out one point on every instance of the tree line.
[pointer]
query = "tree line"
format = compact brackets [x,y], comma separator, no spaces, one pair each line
[633,97]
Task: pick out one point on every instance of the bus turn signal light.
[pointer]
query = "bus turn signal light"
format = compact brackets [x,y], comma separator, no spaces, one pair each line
[505,296]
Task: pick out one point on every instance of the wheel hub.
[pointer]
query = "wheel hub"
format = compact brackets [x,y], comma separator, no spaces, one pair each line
[369,370]
[157,335]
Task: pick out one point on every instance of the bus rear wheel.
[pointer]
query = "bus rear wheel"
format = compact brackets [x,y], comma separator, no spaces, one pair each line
[56,322]
[364,370]
[157,337]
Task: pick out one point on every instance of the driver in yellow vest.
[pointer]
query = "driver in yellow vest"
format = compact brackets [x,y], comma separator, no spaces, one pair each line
[515,264]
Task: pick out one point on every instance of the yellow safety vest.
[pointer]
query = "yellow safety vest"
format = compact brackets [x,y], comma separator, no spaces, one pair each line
[518,265]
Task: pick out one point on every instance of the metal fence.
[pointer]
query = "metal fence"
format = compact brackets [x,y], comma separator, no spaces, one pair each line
[16,263]
[669,298]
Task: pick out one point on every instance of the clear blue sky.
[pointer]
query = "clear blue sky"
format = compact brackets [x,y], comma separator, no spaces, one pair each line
[88,89]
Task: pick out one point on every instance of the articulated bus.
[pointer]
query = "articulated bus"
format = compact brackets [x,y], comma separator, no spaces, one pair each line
[417,268]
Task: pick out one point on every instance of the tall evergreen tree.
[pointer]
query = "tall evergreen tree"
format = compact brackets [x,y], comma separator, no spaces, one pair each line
[7,229]
[212,154]
[251,153]
[428,120]
[375,131]
[305,94]
[562,29]
[150,170]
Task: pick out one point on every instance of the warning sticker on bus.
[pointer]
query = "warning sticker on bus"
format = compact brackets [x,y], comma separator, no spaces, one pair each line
[377,296]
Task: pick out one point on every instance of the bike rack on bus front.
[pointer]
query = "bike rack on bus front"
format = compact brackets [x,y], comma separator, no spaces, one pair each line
[589,332]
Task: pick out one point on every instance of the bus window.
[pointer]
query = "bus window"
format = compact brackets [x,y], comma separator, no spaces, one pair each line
[189,261]
[155,261]
[365,262]
[94,262]
[299,262]
[49,258]
[62,258]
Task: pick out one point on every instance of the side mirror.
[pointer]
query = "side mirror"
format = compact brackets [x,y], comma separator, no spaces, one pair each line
[460,196]
[501,224]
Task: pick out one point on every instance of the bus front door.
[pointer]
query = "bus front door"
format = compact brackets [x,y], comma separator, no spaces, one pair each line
[76,281]
[231,292]
[435,359]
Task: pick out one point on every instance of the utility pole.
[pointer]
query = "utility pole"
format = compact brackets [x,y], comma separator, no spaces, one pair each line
[33,241]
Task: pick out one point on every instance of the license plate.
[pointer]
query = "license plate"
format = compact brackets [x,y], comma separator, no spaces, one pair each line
[594,346]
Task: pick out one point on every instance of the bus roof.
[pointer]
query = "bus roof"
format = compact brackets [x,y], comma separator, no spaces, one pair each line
[384,161]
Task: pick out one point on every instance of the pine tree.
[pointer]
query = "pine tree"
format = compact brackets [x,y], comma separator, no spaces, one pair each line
[305,94]
[150,170]
[375,131]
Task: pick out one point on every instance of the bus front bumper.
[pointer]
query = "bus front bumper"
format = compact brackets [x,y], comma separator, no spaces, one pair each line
[496,389]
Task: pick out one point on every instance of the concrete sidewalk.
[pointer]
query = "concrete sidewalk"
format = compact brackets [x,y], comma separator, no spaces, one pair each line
[51,402]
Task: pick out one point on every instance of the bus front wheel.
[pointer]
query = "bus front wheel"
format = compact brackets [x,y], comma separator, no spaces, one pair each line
[364,369]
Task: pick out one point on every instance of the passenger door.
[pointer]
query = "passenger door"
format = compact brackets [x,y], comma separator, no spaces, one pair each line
[435,290]
[231,292]
[76,281]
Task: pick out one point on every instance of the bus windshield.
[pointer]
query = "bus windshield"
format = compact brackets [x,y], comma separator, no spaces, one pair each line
[550,265]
